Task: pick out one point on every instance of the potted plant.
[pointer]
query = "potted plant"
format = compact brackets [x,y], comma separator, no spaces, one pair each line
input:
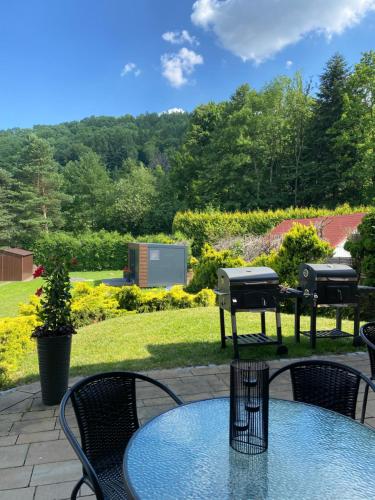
[54,335]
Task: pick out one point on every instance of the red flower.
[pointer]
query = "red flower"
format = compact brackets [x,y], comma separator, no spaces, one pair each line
[38,272]
[74,261]
[39,292]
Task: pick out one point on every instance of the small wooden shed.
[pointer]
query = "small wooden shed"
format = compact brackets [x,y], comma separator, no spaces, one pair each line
[16,264]
[156,264]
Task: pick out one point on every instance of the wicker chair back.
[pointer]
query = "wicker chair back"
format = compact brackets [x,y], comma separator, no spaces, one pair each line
[367,333]
[327,384]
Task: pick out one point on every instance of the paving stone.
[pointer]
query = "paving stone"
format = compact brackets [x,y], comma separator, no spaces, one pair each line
[5,427]
[7,440]
[20,407]
[49,451]
[33,415]
[30,388]
[18,494]
[38,405]
[210,370]
[57,472]
[43,424]
[198,397]
[10,398]
[169,374]
[151,411]
[37,437]
[13,456]
[221,394]
[158,401]
[56,491]
[15,477]
[85,491]
[10,417]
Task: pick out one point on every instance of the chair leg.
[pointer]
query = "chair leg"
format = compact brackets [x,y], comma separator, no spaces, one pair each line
[364,404]
[76,489]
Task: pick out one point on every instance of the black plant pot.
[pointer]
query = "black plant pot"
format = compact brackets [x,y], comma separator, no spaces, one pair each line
[54,361]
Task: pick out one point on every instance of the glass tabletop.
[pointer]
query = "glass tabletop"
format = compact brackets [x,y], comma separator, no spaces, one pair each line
[312,454]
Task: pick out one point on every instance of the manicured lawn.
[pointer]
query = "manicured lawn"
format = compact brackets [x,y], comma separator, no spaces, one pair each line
[16,292]
[176,338]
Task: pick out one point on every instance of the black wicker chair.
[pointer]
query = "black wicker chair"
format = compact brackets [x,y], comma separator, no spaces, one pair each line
[106,412]
[327,384]
[367,333]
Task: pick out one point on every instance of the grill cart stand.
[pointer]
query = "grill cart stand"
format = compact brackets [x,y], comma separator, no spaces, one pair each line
[253,289]
[252,339]
[328,285]
[335,333]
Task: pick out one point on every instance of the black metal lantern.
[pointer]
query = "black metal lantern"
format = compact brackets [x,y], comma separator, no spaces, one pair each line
[249,397]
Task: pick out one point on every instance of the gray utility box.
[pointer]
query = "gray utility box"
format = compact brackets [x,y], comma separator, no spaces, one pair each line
[155,264]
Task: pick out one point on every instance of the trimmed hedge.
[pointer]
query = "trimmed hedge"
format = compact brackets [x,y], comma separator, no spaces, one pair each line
[95,251]
[209,227]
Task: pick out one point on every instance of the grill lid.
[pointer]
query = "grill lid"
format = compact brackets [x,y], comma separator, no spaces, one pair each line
[320,272]
[249,274]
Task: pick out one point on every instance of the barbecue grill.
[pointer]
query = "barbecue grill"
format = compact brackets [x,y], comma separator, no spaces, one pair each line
[328,285]
[249,289]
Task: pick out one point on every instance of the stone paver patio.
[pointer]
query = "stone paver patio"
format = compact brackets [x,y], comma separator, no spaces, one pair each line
[36,461]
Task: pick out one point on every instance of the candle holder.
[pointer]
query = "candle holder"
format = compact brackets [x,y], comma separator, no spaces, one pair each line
[249,397]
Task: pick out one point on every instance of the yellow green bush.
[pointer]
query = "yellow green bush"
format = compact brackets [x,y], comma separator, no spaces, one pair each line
[205,271]
[300,244]
[15,342]
[132,298]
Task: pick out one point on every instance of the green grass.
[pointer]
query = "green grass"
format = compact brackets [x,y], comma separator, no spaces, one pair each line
[176,338]
[16,292]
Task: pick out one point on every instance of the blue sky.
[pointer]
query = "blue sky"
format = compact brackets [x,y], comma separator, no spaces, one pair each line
[64,60]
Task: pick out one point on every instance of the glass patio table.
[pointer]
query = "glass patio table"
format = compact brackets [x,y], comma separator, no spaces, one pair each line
[312,454]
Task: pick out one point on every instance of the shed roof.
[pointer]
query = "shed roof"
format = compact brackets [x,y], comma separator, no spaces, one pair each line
[334,228]
[16,251]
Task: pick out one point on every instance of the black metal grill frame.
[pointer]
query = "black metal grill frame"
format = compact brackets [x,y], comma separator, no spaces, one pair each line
[316,294]
[259,297]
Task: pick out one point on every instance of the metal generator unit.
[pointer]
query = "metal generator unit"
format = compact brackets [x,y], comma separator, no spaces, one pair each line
[155,264]
[328,285]
[249,289]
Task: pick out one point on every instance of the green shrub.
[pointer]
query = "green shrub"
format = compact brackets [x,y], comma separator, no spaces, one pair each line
[362,248]
[300,244]
[129,297]
[95,251]
[15,342]
[205,271]
[91,304]
[211,226]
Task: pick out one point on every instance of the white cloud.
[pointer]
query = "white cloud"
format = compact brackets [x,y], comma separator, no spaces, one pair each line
[179,37]
[172,111]
[130,68]
[256,30]
[288,64]
[176,67]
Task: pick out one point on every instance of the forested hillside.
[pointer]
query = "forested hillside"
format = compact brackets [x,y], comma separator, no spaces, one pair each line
[287,144]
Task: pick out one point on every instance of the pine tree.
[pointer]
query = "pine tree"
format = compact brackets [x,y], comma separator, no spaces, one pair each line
[324,171]
[38,203]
